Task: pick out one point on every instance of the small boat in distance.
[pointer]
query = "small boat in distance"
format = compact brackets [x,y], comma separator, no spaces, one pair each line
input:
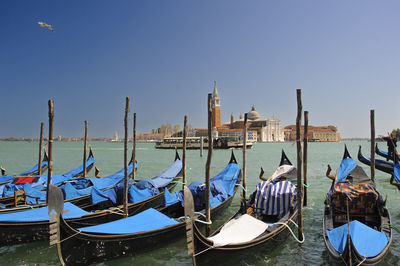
[196,143]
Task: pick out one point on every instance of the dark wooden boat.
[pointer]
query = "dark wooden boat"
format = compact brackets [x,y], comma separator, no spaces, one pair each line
[354,205]
[385,166]
[4,179]
[238,237]
[78,246]
[11,201]
[384,153]
[33,225]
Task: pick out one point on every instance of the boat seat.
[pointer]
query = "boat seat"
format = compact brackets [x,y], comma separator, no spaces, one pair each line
[20,196]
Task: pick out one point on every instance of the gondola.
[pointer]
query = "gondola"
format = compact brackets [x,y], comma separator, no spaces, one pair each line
[4,179]
[33,225]
[385,166]
[146,230]
[257,225]
[384,153]
[33,186]
[354,205]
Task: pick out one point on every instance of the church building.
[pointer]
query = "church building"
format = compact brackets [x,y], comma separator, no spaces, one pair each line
[259,129]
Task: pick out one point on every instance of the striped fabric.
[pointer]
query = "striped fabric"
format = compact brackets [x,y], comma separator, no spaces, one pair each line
[274,199]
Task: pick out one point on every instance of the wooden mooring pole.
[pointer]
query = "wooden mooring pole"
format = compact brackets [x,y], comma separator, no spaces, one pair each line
[40,148]
[372,118]
[134,147]
[305,144]
[208,165]
[244,156]
[184,152]
[126,158]
[85,148]
[50,145]
[299,181]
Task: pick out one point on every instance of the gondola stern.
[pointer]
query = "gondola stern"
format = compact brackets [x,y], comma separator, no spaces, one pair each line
[284,159]
[177,155]
[346,152]
[233,158]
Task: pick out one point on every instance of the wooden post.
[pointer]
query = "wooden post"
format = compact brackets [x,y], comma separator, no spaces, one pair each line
[299,181]
[244,155]
[208,165]
[305,144]
[50,144]
[184,152]
[85,148]
[201,146]
[126,159]
[40,148]
[134,147]
[373,145]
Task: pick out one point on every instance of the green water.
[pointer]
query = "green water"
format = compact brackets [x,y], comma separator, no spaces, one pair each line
[19,156]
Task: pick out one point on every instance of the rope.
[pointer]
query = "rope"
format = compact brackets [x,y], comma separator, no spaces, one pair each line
[30,206]
[196,220]
[203,251]
[179,182]
[362,261]
[240,185]
[392,226]
[70,237]
[290,230]
[120,212]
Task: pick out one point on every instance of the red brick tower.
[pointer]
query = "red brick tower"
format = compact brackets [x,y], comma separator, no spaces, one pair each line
[216,111]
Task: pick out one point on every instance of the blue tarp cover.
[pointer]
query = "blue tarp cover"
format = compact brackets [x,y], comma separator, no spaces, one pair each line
[41,214]
[70,192]
[34,169]
[396,170]
[141,191]
[367,241]
[100,196]
[147,220]
[221,186]
[346,167]
[79,169]
[166,177]
[112,180]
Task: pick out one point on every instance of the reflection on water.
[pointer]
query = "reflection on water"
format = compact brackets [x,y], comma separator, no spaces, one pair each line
[18,156]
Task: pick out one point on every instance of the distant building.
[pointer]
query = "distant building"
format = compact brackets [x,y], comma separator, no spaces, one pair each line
[259,129]
[150,137]
[320,134]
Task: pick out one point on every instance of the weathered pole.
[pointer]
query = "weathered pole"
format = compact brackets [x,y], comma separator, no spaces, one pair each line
[134,147]
[184,152]
[126,158]
[40,148]
[244,155]
[372,118]
[201,146]
[85,148]
[299,181]
[305,144]
[208,164]
[50,144]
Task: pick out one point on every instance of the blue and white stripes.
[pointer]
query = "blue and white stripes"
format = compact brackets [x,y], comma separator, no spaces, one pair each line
[274,199]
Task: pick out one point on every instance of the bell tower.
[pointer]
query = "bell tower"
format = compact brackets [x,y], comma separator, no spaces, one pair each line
[216,111]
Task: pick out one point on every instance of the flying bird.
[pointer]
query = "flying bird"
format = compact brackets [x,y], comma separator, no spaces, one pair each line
[44,25]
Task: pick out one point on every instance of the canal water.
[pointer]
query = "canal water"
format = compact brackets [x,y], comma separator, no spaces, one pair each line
[20,156]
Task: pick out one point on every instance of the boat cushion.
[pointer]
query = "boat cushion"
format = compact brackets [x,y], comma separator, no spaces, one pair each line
[147,220]
[397,172]
[361,198]
[367,241]
[274,199]
[41,214]
[236,231]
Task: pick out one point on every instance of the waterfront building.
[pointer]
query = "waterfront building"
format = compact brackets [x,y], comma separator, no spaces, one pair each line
[315,133]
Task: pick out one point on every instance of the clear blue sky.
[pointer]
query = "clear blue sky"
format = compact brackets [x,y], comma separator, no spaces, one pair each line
[165,55]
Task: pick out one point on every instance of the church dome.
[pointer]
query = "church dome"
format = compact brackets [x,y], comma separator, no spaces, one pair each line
[253,114]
